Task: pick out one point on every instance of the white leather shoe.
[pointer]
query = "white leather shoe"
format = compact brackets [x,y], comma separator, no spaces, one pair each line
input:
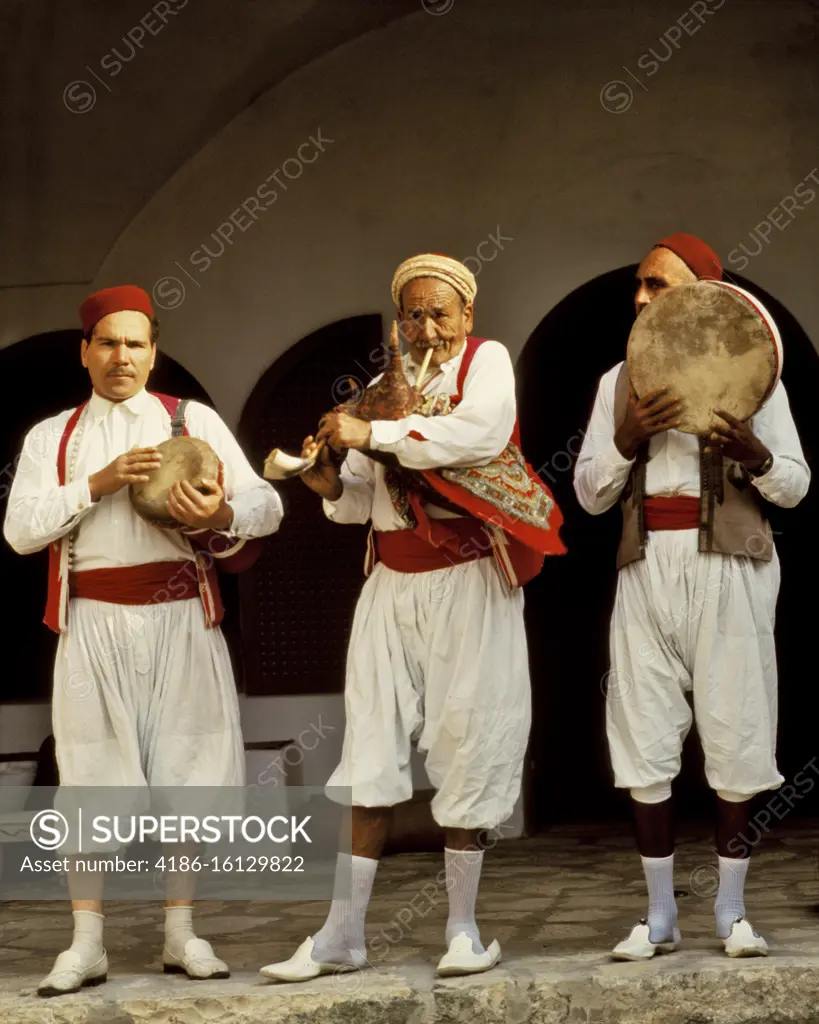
[744,941]
[69,974]
[460,958]
[302,967]
[198,961]
[638,946]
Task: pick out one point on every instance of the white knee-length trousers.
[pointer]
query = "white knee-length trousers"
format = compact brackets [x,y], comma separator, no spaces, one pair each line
[438,658]
[699,623]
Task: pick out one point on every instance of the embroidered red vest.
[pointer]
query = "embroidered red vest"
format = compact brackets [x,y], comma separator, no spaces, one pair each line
[507,495]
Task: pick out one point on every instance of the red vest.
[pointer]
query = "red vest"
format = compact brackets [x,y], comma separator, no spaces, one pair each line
[519,546]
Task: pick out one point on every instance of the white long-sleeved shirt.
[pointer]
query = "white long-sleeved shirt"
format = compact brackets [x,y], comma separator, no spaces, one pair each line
[475,432]
[110,533]
[673,466]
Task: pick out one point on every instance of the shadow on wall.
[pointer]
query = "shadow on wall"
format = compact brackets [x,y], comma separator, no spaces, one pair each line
[568,606]
[44,376]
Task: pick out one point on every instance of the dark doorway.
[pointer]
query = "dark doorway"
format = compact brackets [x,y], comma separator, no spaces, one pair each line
[569,605]
[299,598]
[43,376]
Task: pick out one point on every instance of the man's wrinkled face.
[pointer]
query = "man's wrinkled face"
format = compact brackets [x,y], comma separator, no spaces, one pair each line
[660,270]
[433,314]
[119,355]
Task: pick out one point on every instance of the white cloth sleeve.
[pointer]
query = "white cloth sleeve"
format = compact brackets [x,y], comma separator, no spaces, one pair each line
[39,511]
[786,482]
[601,471]
[356,502]
[257,508]
[474,433]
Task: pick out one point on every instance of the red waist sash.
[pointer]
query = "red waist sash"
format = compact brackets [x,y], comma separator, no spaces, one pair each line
[405,551]
[680,512]
[152,583]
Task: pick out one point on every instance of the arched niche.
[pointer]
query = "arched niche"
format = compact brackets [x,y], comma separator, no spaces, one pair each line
[568,606]
[43,375]
[298,600]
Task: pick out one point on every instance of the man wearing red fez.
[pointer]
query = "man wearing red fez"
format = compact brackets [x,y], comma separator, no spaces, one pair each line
[143,687]
[693,613]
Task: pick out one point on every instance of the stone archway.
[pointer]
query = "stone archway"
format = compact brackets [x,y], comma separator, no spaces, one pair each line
[298,600]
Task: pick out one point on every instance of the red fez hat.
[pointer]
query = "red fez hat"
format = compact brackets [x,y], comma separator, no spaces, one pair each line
[699,257]
[113,300]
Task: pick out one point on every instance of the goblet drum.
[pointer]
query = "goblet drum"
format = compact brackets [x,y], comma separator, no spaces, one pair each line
[183,458]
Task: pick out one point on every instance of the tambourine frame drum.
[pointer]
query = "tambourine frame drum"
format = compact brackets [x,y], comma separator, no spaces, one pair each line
[713,345]
[183,458]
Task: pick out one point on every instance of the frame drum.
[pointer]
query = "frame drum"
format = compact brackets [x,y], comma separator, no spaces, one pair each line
[713,345]
[183,458]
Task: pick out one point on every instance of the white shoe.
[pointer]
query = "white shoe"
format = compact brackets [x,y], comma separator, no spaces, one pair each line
[302,967]
[69,974]
[198,961]
[744,941]
[638,946]
[460,958]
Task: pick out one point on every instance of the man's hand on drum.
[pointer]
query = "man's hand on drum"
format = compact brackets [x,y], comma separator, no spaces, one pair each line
[131,468]
[324,477]
[737,441]
[652,414]
[200,511]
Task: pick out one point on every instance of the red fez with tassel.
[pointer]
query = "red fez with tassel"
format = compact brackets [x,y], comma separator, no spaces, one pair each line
[113,300]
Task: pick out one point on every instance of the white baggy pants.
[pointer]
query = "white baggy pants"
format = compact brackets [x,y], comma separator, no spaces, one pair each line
[438,658]
[145,695]
[702,623]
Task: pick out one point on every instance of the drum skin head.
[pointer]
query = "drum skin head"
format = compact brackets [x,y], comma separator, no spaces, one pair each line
[708,344]
[183,458]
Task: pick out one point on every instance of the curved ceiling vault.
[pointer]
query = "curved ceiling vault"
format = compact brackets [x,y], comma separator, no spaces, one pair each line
[104,103]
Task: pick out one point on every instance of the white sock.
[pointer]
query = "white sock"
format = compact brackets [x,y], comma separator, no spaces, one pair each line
[662,907]
[343,931]
[463,873]
[730,902]
[178,928]
[87,940]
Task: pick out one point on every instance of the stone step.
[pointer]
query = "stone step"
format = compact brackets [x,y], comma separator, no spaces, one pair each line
[688,988]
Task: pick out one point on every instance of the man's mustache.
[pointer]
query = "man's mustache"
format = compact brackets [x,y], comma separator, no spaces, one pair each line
[120,373]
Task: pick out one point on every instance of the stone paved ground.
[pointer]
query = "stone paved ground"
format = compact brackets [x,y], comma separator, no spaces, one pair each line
[557,904]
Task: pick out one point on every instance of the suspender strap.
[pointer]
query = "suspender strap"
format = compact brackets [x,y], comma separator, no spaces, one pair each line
[175,408]
[178,419]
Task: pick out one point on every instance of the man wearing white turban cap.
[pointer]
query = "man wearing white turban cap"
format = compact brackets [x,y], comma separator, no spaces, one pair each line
[437,655]
[457,275]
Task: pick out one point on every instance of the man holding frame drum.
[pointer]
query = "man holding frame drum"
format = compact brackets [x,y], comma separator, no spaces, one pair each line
[688,434]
